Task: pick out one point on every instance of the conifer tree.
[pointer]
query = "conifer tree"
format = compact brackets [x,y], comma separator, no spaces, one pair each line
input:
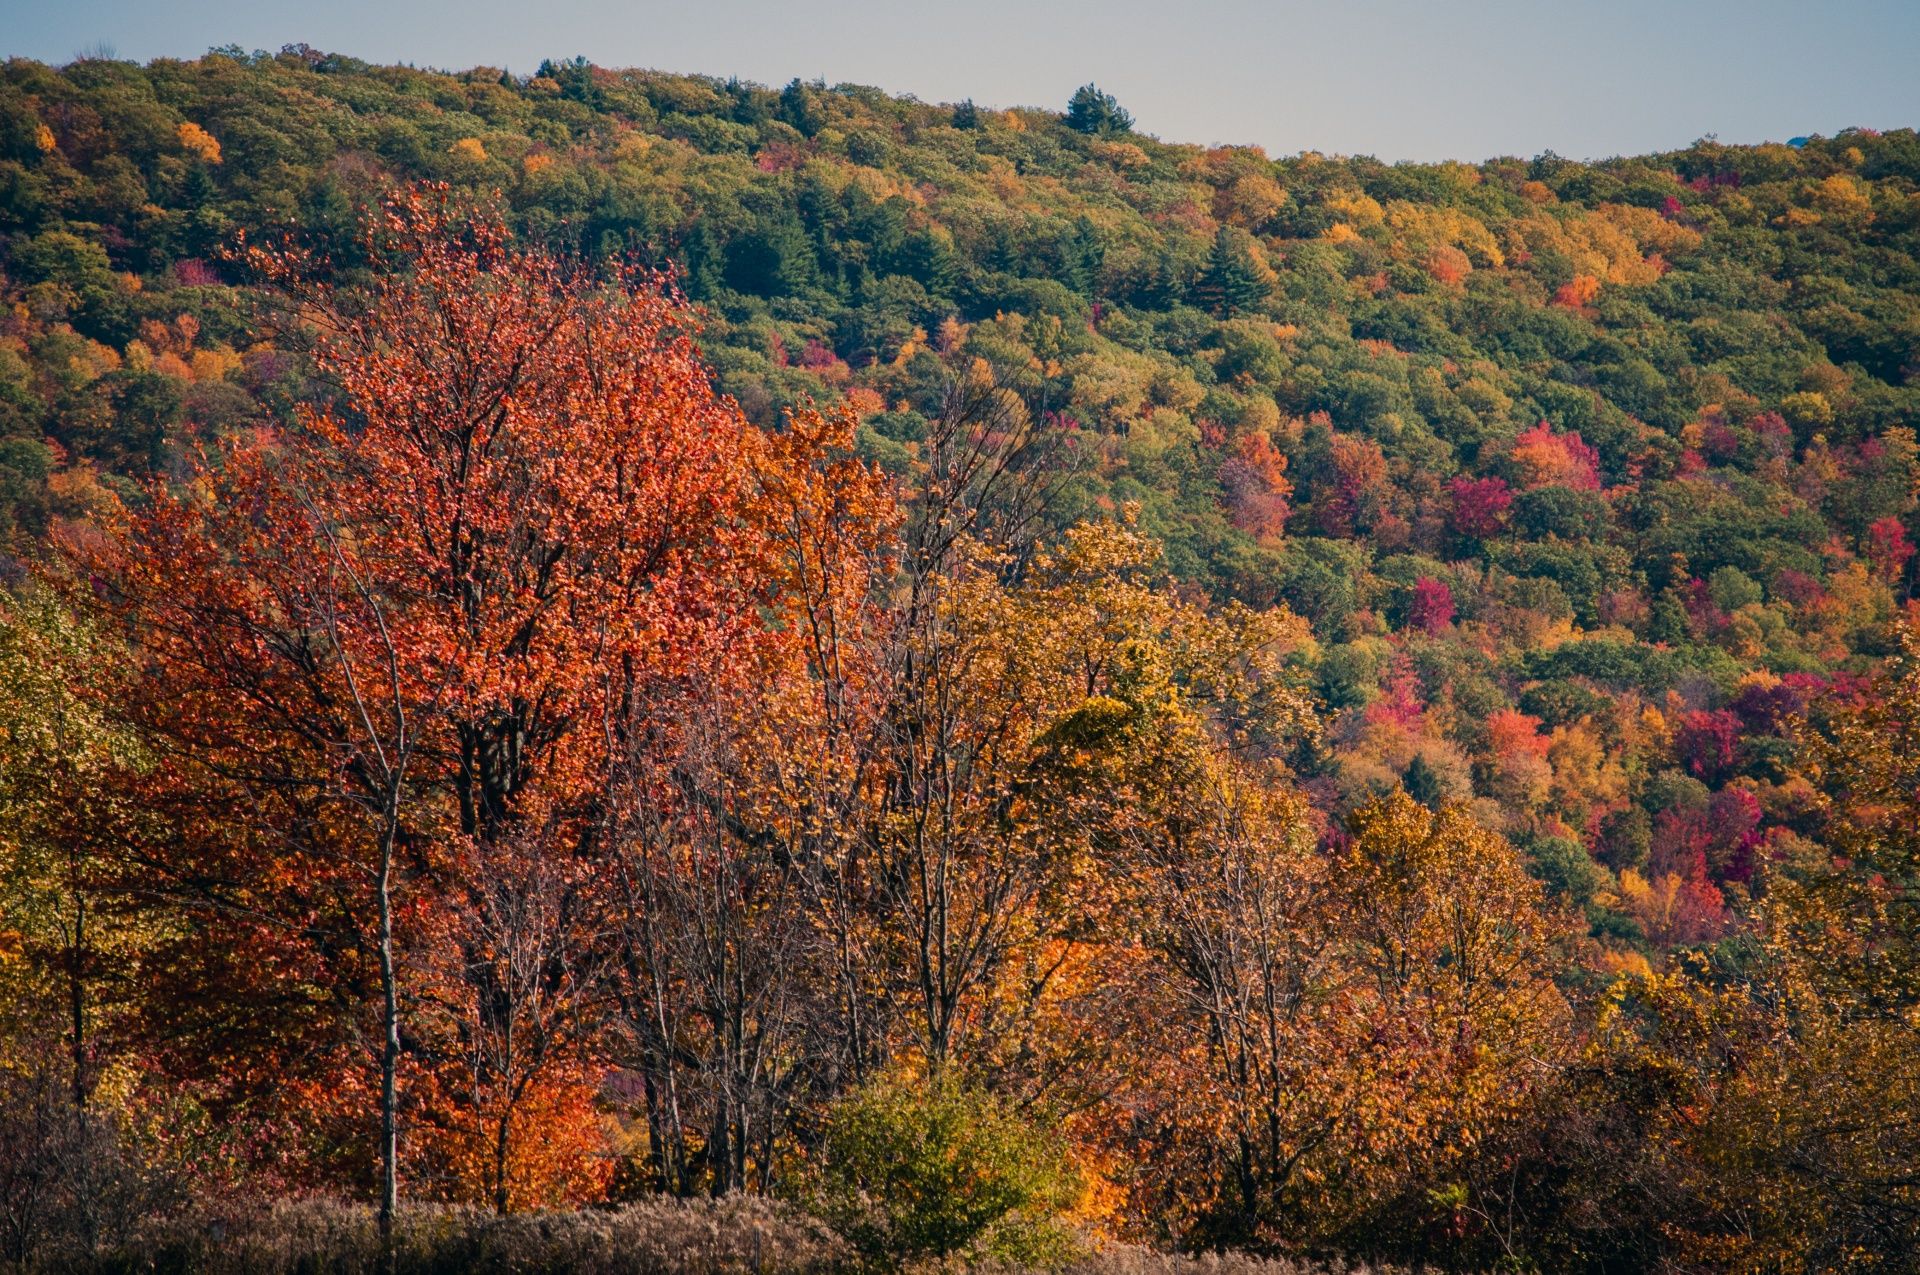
[1095,113]
[1234,280]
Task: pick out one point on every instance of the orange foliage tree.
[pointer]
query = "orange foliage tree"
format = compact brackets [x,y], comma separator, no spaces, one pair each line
[1346,1026]
[406,635]
[736,974]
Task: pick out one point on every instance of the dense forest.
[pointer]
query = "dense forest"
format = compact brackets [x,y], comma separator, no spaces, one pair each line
[1009,686]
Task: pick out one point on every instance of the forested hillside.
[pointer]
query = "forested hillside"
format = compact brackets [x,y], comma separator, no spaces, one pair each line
[1424,640]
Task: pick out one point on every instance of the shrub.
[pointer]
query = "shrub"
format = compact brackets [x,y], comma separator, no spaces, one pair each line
[916,1169]
[72,1183]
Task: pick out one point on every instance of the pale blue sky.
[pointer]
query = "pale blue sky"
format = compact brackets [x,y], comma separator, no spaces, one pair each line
[1401,79]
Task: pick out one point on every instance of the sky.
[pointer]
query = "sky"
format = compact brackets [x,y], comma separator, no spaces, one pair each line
[1399,79]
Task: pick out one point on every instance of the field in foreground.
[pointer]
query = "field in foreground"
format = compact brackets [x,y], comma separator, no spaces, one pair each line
[659,1237]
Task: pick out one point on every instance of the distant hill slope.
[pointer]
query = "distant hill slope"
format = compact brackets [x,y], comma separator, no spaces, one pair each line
[1588,475]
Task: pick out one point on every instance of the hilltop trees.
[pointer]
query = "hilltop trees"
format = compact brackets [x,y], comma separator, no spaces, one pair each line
[1091,111]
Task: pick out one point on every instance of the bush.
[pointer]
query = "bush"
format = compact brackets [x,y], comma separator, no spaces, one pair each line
[914,1169]
[72,1183]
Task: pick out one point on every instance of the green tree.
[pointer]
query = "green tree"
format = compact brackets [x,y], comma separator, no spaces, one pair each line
[63,812]
[1234,279]
[1095,113]
[1423,783]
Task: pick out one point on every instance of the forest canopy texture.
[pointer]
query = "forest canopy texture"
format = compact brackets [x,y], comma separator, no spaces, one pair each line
[975,683]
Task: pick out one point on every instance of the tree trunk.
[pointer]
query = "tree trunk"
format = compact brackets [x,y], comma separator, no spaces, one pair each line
[76,992]
[500,1163]
[389,1058]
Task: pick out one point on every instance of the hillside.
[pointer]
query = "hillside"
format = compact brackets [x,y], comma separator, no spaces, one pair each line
[1584,474]
[1592,482]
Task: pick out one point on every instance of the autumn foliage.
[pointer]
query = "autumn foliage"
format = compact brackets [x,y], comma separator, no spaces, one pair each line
[411,632]
[1034,687]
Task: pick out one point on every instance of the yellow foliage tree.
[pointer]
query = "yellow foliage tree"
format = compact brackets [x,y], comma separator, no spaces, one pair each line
[197,141]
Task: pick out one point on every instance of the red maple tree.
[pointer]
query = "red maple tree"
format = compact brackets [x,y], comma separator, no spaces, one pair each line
[406,633]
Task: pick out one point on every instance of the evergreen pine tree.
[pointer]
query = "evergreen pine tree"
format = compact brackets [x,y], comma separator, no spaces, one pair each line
[1092,112]
[1423,783]
[1233,280]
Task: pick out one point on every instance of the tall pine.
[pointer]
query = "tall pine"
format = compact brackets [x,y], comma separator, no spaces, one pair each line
[1235,280]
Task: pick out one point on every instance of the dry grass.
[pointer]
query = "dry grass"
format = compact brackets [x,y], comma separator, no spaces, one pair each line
[1129,1260]
[741,1235]
[656,1237]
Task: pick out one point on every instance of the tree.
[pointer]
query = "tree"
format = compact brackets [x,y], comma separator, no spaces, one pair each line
[72,945]
[408,629]
[951,848]
[1480,506]
[1848,917]
[1431,607]
[1232,905]
[1350,1023]
[711,939]
[1888,548]
[1541,458]
[515,986]
[1095,113]
[1423,782]
[738,802]
[1454,954]
[1235,278]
